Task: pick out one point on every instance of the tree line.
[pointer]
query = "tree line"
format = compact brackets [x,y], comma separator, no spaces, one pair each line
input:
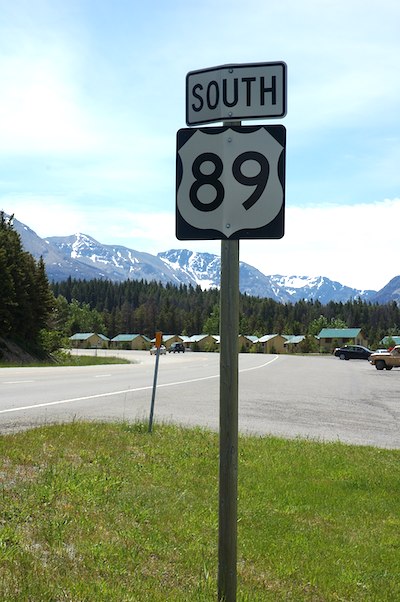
[141,307]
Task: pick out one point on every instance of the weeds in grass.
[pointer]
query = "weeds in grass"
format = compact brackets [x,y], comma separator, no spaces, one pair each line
[107,512]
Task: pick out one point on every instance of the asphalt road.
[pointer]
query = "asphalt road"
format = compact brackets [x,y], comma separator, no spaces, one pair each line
[316,397]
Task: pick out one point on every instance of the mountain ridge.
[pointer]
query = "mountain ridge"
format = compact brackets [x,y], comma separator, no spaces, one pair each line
[82,257]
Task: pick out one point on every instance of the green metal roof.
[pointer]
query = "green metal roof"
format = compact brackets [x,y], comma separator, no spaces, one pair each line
[295,339]
[388,338]
[125,338]
[196,338]
[267,337]
[83,336]
[251,337]
[339,333]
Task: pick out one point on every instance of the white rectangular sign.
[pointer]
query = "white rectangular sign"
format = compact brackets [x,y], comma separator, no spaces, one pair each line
[236,92]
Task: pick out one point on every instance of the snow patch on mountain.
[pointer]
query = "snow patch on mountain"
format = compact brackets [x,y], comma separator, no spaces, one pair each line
[297,282]
[202,268]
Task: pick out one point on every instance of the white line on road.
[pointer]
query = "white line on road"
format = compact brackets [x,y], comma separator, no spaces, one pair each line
[262,365]
[17,382]
[181,382]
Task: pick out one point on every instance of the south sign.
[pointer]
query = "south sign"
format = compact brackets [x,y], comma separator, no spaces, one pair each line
[236,92]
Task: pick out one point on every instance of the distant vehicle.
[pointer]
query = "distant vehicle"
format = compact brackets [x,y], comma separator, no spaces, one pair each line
[163,351]
[177,348]
[386,360]
[352,352]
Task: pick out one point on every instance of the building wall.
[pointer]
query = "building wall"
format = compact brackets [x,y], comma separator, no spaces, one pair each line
[92,342]
[205,343]
[245,343]
[137,343]
[140,344]
[330,344]
[275,345]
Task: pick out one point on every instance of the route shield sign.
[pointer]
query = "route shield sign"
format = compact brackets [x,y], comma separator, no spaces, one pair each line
[230,182]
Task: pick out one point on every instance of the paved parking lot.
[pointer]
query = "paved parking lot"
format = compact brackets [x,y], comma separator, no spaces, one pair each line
[308,396]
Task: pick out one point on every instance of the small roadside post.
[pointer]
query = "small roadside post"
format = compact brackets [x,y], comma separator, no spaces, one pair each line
[153,395]
[230,184]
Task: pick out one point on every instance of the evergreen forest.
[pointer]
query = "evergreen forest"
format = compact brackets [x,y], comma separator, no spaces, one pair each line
[141,307]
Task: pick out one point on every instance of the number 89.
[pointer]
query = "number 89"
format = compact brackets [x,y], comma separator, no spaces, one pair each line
[212,179]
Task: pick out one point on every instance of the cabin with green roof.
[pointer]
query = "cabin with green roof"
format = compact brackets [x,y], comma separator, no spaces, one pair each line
[139,342]
[329,338]
[272,343]
[88,340]
[390,340]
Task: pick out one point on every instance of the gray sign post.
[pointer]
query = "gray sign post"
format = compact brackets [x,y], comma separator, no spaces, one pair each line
[228,421]
[230,184]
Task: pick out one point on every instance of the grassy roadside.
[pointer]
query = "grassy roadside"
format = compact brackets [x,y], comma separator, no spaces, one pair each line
[68,360]
[106,512]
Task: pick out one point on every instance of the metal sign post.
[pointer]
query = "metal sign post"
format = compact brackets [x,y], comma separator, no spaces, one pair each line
[228,443]
[153,396]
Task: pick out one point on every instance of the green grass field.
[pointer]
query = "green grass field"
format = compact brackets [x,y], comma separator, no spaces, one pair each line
[107,512]
[66,359]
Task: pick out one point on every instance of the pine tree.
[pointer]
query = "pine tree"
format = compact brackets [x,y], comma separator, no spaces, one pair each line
[26,300]
[10,248]
[43,298]
[7,292]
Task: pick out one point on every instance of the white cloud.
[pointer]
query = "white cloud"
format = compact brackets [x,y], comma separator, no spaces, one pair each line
[39,110]
[47,215]
[337,241]
[42,102]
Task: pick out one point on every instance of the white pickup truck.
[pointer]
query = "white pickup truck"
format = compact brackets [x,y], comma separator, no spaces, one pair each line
[386,359]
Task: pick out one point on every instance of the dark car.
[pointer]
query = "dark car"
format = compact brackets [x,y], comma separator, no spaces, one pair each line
[177,348]
[352,352]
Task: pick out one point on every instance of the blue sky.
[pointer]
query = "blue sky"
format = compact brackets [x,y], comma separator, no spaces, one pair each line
[92,93]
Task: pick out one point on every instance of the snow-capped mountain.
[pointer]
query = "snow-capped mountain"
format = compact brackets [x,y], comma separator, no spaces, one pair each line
[390,292]
[202,269]
[316,288]
[81,256]
[115,263]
